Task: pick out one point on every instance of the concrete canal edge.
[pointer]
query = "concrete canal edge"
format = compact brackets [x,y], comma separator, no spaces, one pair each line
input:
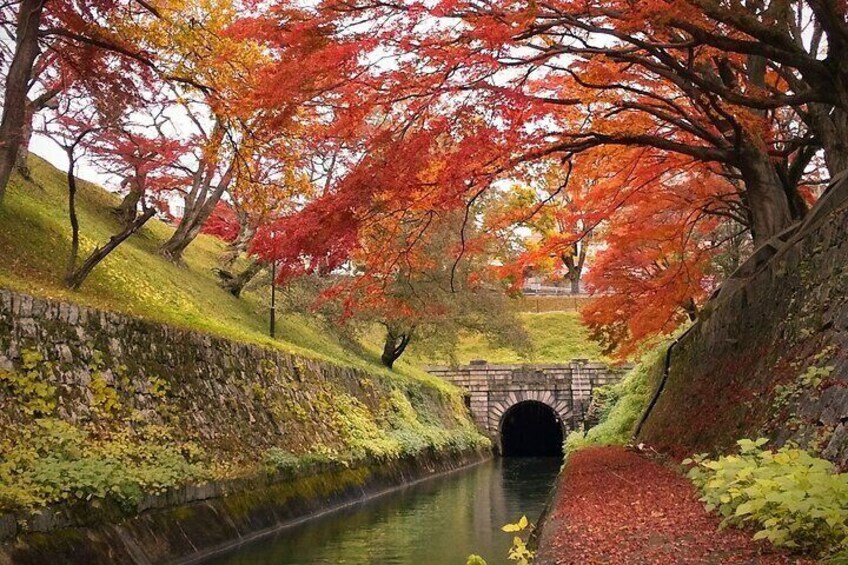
[192,530]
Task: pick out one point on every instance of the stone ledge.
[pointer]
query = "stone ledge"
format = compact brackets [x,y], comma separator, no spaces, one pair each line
[190,531]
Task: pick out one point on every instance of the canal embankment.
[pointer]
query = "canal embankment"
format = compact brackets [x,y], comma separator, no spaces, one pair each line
[194,523]
[128,441]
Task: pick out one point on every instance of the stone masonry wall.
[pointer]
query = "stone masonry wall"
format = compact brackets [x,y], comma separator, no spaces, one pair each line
[770,353]
[109,373]
[234,399]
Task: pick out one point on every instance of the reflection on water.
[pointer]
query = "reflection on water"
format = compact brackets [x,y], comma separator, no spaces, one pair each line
[437,522]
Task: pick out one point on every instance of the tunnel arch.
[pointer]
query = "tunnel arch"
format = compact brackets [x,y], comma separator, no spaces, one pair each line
[531,428]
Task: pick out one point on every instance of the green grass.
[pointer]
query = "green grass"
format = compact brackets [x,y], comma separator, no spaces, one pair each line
[556,337]
[134,279]
[622,404]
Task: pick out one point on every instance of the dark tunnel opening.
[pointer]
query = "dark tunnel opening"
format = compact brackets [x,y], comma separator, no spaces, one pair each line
[531,429]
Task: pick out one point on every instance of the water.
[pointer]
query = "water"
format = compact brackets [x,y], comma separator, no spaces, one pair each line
[436,522]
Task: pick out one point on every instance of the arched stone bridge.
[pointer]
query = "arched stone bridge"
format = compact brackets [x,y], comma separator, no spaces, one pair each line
[493,391]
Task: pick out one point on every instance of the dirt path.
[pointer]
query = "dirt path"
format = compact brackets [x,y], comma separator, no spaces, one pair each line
[614,506]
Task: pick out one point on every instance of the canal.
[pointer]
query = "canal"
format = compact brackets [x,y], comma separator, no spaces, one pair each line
[436,522]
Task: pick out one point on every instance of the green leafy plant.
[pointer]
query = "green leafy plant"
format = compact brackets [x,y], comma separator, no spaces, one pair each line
[55,461]
[519,551]
[792,498]
[37,397]
[104,398]
[475,560]
[279,460]
[810,379]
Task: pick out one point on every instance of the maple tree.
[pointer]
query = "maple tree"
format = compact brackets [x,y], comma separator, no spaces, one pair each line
[276,182]
[136,152]
[552,206]
[57,43]
[731,116]
[651,86]
[424,298]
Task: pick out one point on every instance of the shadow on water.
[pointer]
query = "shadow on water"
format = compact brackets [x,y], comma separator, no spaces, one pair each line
[435,522]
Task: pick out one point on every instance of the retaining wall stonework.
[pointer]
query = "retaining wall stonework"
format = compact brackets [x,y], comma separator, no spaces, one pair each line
[230,402]
[769,355]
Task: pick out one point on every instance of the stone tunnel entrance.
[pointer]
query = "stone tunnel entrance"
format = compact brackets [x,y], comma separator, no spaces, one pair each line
[531,429]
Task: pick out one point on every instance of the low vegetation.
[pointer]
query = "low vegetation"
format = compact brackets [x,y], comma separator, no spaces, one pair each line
[55,461]
[790,497]
[619,406]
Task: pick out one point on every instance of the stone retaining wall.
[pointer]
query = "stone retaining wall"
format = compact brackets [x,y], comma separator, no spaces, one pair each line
[769,355]
[222,394]
[230,402]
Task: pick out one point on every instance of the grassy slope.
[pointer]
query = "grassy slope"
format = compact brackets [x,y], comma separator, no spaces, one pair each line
[35,241]
[556,337]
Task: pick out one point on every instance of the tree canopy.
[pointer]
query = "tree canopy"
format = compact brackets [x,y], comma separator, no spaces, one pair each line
[340,137]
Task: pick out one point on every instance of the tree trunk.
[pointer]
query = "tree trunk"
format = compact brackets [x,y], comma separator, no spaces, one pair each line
[127,210]
[76,277]
[765,195]
[575,284]
[691,309]
[46,99]
[234,284]
[831,127]
[17,86]
[72,216]
[394,346]
[240,243]
[770,202]
[22,158]
[173,249]
[196,213]
[574,263]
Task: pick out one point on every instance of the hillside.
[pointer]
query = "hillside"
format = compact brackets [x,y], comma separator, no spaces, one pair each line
[555,337]
[35,239]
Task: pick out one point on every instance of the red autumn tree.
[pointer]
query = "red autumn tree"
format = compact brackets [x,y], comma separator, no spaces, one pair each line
[55,44]
[142,157]
[653,84]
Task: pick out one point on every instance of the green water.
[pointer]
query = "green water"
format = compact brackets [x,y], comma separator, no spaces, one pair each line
[436,522]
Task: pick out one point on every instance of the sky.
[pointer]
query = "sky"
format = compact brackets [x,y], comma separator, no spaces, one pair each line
[46,149]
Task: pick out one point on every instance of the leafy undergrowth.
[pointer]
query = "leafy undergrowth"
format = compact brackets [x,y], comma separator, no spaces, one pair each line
[615,506]
[55,461]
[791,498]
[134,279]
[49,460]
[555,337]
[619,406]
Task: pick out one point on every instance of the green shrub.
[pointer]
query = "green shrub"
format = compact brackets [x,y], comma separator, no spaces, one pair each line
[54,461]
[621,404]
[794,499]
[279,460]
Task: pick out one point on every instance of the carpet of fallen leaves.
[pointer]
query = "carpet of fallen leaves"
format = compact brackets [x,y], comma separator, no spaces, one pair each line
[616,506]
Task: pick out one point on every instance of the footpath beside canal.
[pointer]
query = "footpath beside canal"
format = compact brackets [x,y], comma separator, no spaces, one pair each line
[613,505]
